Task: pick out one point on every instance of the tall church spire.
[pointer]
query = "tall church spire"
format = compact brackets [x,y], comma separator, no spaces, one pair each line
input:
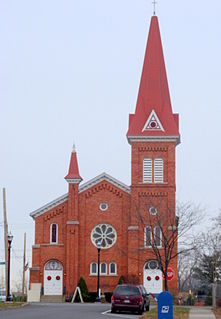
[73,176]
[153,116]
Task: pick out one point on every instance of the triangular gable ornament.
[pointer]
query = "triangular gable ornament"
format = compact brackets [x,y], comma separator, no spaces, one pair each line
[153,123]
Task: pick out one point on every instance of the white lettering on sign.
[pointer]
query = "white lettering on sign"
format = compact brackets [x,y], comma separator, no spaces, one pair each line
[165,309]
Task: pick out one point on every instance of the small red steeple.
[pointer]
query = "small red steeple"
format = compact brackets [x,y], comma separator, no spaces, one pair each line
[153,117]
[73,173]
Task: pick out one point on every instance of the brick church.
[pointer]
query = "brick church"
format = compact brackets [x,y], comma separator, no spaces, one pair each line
[107,212]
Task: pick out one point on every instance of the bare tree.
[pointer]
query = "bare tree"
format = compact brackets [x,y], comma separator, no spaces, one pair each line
[165,229]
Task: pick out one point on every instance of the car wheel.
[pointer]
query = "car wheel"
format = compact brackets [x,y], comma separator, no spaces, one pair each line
[113,310]
[140,311]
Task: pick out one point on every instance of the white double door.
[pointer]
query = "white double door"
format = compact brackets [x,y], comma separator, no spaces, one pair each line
[53,282]
[153,281]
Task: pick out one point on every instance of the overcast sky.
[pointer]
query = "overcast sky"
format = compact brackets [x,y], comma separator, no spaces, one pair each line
[70,71]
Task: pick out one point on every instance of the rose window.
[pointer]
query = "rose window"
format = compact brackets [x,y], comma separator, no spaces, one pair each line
[104,234]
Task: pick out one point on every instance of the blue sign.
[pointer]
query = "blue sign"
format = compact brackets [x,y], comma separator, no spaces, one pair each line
[165,305]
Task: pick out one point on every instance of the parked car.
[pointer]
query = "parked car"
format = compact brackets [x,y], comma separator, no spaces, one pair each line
[130,298]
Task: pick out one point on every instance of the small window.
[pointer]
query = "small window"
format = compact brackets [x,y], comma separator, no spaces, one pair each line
[148,236]
[103,268]
[158,170]
[93,269]
[157,236]
[147,170]
[103,206]
[112,269]
[54,233]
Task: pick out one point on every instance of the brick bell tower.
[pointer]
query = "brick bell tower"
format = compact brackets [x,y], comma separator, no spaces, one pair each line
[72,224]
[153,135]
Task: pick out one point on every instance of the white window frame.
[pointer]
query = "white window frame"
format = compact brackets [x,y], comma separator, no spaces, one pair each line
[160,236]
[112,273]
[103,273]
[158,180]
[147,174]
[145,236]
[93,273]
[51,242]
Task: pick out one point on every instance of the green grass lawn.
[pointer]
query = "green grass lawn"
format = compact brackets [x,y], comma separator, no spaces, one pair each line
[178,313]
[7,305]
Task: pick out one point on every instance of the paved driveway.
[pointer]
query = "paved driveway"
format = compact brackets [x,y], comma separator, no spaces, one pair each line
[64,311]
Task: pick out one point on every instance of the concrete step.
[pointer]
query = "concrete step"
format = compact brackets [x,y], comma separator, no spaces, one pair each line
[52,299]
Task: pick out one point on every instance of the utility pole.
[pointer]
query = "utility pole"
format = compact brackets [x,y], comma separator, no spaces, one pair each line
[24,265]
[6,241]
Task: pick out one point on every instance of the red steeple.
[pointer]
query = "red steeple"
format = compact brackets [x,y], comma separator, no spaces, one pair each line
[154,117]
[73,173]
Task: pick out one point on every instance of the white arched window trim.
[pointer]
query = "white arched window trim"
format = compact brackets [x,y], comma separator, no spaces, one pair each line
[91,265]
[155,228]
[112,273]
[53,242]
[103,273]
[147,170]
[147,229]
[158,170]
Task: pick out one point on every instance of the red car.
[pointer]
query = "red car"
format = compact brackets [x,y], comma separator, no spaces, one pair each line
[130,298]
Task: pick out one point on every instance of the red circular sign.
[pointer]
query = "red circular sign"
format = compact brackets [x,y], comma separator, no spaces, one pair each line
[170,273]
[149,278]
[49,278]
[157,278]
[58,278]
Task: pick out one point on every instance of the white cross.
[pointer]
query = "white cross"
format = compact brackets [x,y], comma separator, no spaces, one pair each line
[154,7]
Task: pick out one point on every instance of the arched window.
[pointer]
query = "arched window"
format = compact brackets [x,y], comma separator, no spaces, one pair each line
[54,234]
[158,170]
[148,236]
[93,268]
[103,268]
[147,170]
[112,269]
[157,236]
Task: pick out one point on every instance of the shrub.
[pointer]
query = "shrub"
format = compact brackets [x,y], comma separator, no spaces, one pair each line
[84,291]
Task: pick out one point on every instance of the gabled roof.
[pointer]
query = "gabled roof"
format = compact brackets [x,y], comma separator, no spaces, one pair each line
[82,188]
[154,93]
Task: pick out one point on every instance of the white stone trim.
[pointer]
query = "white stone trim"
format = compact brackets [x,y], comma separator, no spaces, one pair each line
[175,139]
[73,222]
[133,227]
[36,246]
[35,268]
[74,180]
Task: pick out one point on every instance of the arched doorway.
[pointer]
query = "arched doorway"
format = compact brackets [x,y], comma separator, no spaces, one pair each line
[53,278]
[153,277]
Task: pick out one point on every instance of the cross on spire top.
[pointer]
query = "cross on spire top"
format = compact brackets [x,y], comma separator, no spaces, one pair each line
[154,7]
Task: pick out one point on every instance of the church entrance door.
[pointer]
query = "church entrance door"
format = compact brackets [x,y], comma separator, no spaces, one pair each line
[53,278]
[152,277]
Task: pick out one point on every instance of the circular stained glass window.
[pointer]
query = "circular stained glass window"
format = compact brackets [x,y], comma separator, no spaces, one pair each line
[104,234]
[103,206]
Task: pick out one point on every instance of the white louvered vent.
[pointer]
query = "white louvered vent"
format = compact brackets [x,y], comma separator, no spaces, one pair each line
[147,170]
[158,170]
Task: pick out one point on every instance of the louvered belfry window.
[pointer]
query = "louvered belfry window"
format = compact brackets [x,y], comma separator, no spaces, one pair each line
[147,170]
[158,170]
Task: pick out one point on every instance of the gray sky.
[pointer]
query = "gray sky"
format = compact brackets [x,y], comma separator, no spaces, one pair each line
[70,71]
